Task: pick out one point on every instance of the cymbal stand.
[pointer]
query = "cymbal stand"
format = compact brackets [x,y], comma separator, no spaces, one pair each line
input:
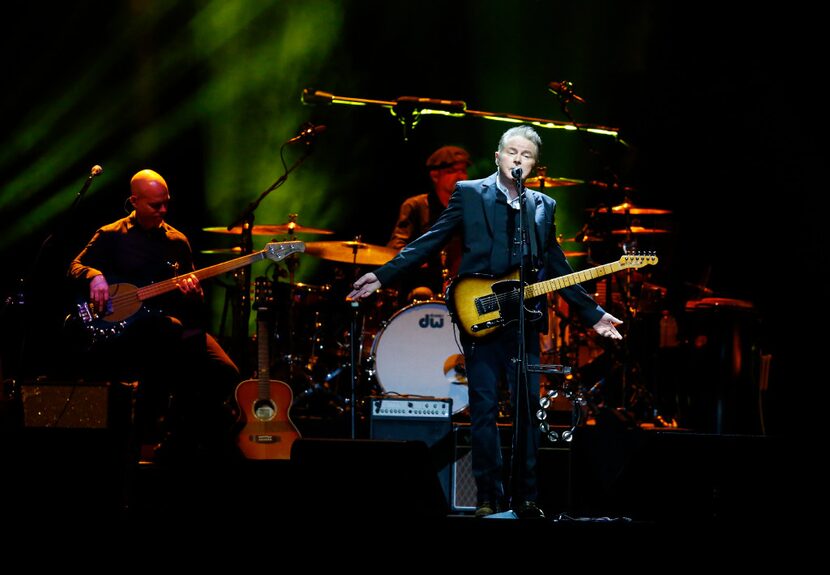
[299,366]
[246,220]
[242,303]
[358,239]
[354,344]
[291,263]
[566,96]
[635,397]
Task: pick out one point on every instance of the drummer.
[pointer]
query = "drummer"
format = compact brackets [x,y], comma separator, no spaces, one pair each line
[446,166]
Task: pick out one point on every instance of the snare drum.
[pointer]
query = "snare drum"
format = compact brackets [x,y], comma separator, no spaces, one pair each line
[415,353]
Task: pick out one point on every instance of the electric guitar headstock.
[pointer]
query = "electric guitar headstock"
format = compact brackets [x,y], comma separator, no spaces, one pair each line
[638,260]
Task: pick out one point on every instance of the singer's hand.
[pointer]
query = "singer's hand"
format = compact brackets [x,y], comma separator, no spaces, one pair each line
[366,285]
[606,326]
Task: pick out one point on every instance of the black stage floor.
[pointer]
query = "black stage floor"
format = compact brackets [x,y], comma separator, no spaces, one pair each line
[610,485]
[618,493]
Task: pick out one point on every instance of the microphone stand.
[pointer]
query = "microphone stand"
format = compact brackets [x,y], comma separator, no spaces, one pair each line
[522,385]
[246,220]
[524,401]
[51,239]
[455,108]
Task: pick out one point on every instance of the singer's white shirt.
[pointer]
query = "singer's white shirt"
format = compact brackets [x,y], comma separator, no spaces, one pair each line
[512,202]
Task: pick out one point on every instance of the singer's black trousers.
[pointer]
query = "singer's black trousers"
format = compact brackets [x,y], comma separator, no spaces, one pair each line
[490,364]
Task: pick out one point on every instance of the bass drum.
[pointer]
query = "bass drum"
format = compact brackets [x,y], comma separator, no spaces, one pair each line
[415,353]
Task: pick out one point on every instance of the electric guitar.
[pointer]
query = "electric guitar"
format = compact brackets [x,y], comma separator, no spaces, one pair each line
[481,304]
[267,431]
[126,300]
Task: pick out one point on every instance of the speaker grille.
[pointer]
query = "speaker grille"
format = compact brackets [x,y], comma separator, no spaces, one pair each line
[463,487]
[65,404]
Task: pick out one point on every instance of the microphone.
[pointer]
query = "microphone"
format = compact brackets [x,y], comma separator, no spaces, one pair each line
[311,96]
[516,173]
[96,169]
[308,132]
[564,90]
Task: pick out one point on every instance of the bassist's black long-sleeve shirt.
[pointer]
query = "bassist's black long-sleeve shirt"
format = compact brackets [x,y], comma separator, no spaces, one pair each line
[125,252]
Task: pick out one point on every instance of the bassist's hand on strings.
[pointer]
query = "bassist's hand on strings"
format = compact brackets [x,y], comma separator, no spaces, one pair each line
[190,286]
[99,292]
[606,326]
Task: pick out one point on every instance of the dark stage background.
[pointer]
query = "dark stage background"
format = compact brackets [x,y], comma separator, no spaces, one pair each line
[718,107]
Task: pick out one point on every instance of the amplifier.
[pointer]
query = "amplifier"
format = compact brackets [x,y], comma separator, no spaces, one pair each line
[65,403]
[411,408]
[426,419]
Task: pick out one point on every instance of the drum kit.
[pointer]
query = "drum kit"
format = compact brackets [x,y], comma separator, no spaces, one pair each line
[407,351]
[410,349]
[609,228]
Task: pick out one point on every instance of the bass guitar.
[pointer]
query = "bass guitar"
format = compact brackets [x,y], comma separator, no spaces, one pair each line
[481,304]
[126,300]
[267,430]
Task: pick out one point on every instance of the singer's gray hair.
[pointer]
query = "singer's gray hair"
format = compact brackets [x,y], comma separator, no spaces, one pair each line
[525,132]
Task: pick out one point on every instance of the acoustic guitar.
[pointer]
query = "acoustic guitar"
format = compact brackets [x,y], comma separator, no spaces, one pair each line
[267,430]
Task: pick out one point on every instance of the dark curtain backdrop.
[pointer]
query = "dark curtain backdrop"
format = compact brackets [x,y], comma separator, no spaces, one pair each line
[718,107]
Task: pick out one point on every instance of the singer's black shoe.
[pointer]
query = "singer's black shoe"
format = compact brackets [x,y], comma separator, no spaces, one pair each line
[485,508]
[528,510]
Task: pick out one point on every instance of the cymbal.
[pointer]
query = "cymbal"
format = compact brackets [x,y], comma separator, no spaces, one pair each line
[629,208]
[606,185]
[569,254]
[585,239]
[270,230]
[540,181]
[638,230]
[236,250]
[351,252]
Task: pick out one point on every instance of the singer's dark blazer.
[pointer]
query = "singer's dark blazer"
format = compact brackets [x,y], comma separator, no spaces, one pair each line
[472,208]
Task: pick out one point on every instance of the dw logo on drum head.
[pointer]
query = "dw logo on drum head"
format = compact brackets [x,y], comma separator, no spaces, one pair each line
[416,354]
